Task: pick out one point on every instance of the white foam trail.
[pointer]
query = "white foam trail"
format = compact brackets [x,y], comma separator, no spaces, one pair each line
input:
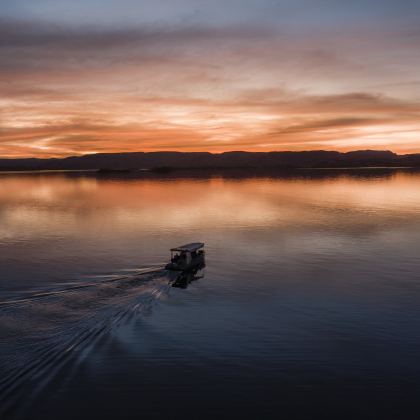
[39,337]
[80,286]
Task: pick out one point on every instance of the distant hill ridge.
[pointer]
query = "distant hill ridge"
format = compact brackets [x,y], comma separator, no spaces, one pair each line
[202,160]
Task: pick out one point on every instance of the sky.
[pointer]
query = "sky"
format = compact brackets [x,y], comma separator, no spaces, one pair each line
[94,76]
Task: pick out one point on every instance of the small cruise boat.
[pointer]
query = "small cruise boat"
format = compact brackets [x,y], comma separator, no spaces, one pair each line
[187,257]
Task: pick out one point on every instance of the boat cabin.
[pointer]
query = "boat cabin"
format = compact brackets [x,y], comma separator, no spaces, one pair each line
[186,257]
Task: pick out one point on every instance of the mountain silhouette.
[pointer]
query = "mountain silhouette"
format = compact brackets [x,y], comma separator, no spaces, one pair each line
[205,160]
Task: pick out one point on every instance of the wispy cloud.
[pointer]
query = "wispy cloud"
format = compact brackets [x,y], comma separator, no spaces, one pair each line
[78,89]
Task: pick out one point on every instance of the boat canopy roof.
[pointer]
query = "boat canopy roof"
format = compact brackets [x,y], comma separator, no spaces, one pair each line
[195,246]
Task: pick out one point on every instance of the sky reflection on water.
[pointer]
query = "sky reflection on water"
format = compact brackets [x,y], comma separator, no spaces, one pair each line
[309,305]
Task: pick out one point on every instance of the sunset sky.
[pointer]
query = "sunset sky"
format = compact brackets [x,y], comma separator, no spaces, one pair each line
[87,76]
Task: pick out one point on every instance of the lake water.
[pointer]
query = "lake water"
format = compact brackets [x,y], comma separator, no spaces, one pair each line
[309,305]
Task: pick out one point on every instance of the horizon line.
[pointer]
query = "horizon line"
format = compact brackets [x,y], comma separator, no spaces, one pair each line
[211,153]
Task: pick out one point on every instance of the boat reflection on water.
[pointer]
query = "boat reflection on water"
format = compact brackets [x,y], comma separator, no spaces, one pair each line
[184,278]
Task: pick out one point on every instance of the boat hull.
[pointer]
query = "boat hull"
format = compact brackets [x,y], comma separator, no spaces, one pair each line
[198,262]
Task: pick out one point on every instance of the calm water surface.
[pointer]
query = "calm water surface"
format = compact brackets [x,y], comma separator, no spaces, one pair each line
[309,306]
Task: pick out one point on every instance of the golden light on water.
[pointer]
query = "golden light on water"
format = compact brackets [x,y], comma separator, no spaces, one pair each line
[54,203]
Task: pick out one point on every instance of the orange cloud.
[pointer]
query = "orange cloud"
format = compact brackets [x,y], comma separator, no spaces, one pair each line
[66,92]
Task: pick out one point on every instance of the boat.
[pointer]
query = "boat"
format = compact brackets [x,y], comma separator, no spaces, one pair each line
[187,257]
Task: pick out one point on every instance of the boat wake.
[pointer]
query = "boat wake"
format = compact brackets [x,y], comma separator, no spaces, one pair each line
[42,332]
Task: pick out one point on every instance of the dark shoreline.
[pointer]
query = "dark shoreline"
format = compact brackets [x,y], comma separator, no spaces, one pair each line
[167,162]
[225,173]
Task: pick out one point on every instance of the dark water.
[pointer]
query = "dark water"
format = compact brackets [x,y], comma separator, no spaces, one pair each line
[309,306]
